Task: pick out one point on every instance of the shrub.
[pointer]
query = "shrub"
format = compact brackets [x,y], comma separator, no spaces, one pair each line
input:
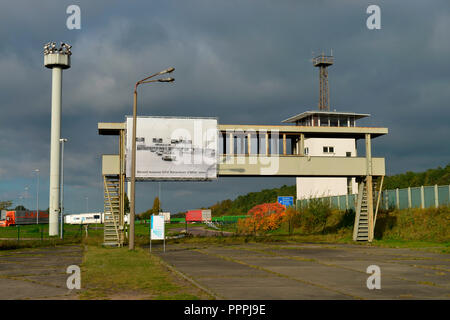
[263,218]
[313,218]
[289,219]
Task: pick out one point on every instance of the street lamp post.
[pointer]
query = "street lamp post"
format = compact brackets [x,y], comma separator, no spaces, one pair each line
[26,197]
[62,141]
[37,196]
[133,150]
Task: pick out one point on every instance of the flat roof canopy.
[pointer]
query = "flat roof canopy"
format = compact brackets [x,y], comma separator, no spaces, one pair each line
[329,113]
[310,132]
[113,128]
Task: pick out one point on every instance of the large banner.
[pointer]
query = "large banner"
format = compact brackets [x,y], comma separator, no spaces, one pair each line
[173,148]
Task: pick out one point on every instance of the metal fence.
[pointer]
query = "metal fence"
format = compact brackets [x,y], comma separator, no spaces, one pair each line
[417,197]
[223,219]
[40,232]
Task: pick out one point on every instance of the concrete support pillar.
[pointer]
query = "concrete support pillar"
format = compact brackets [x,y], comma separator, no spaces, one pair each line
[122,182]
[294,146]
[409,198]
[302,144]
[284,144]
[267,143]
[436,196]
[249,143]
[397,198]
[422,198]
[231,144]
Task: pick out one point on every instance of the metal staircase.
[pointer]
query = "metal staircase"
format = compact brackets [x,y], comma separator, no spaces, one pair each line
[112,233]
[361,231]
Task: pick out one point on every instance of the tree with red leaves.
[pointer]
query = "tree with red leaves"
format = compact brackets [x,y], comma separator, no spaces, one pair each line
[263,218]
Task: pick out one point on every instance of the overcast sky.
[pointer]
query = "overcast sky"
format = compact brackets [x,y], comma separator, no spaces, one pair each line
[243,61]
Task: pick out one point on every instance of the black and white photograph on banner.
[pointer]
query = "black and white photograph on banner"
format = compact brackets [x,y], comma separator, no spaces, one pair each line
[173,148]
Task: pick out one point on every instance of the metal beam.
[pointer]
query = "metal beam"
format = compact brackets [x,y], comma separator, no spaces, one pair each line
[111,128]
[296,166]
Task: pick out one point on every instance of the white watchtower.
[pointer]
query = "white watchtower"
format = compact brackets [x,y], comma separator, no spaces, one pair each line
[56,59]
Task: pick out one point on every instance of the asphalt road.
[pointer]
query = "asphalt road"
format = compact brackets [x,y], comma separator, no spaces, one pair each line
[201,231]
[311,271]
[38,273]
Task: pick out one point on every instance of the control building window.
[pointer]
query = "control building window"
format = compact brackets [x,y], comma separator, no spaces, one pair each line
[348,154]
[328,149]
[306,150]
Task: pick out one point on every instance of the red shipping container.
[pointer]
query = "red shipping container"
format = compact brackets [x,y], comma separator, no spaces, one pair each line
[194,216]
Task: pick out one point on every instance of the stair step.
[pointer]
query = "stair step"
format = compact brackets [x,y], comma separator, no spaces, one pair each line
[363,234]
[111,244]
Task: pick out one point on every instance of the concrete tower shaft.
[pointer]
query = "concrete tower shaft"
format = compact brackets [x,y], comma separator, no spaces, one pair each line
[56,59]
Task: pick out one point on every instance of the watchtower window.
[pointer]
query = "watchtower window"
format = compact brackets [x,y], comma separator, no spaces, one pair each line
[334,121]
[324,121]
[352,121]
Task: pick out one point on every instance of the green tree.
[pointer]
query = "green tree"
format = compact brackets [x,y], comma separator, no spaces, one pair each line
[439,176]
[156,206]
[154,210]
[5,204]
[127,204]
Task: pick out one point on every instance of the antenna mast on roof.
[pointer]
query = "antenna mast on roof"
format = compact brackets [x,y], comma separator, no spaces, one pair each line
[323,62]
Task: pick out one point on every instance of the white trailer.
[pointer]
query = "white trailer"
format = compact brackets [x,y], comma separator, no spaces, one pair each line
[206,215]
[84,218]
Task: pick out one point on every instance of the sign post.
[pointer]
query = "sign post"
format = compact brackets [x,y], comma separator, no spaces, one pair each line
[286,201]
[157,230]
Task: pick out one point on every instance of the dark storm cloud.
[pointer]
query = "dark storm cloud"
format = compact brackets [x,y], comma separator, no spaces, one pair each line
[242,61]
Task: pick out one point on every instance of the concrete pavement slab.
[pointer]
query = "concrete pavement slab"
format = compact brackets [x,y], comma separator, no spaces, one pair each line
[313,270]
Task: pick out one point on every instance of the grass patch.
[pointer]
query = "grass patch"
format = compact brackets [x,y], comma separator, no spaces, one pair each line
[429,225]
[38,231]
[436,247]
[111,272]
[12,245]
